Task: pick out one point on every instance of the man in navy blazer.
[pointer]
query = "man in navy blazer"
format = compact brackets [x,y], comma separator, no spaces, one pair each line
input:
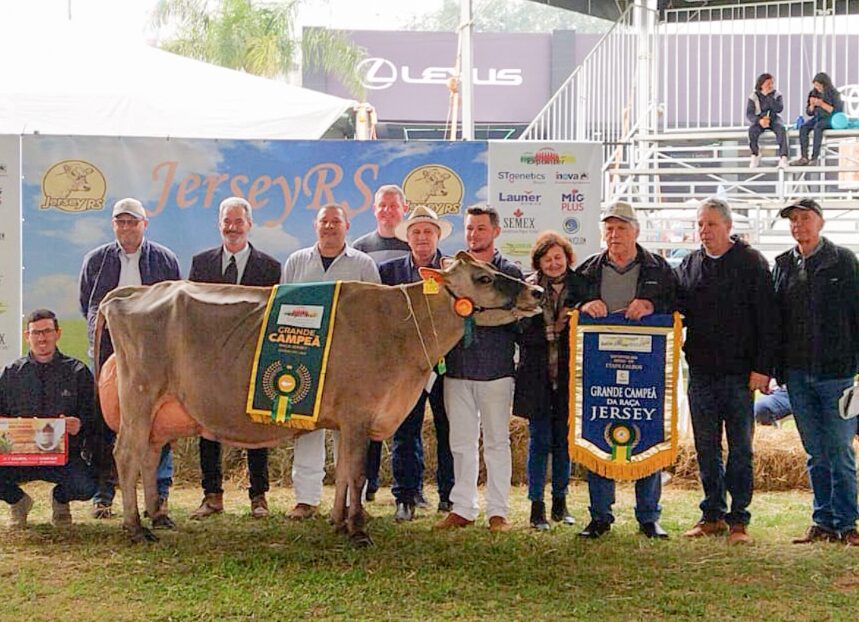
[422,230]
[235,261]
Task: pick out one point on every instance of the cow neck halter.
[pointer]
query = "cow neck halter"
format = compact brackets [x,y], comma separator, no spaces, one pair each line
[414,318]
[476,308]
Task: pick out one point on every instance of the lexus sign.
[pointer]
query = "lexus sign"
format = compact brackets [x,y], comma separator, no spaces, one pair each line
[380,73]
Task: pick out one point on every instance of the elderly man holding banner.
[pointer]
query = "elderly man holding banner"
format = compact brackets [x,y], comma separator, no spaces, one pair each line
[727,297]
[622,399]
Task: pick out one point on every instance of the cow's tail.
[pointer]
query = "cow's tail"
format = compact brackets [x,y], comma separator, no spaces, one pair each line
[96,346]
[101,456]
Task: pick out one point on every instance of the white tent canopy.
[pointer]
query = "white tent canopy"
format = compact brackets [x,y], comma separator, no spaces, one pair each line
[74,81]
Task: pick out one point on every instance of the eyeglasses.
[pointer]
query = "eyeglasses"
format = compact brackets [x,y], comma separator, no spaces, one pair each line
[40,332]
[126,222]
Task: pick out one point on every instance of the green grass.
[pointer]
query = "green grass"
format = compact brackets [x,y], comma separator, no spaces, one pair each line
[234,568]
[73,341]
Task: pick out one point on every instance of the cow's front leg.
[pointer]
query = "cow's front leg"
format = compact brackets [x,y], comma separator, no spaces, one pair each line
[355,442]
[128,466]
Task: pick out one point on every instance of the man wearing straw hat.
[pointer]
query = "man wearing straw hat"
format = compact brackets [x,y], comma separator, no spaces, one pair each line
[422,231]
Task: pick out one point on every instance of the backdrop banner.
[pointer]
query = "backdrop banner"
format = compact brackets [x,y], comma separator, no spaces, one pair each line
[623,393]
[10,249]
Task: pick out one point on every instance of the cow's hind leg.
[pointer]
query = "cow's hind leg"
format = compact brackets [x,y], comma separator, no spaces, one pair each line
[129,460]
[341,487]
[154,509]
[353,457]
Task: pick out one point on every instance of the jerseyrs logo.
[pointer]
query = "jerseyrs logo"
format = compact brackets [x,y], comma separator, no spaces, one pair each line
[73,186]
[436,187]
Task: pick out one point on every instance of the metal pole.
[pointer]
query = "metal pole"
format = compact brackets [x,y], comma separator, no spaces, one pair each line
[466,27]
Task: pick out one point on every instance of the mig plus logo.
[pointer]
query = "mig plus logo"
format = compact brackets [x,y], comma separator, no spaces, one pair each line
[572,201]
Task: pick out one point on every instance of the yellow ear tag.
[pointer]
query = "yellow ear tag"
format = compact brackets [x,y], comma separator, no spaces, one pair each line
[431,286]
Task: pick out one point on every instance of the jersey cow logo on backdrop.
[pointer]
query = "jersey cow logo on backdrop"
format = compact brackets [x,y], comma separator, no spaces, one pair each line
[73,186]
[380,73]
[435,186]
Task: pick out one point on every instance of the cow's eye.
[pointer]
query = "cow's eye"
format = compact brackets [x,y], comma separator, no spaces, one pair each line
[485,280]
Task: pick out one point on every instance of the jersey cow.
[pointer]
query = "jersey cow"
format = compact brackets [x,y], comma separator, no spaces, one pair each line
[183,359]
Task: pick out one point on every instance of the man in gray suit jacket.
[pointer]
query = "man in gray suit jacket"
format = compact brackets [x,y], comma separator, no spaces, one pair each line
[235,261]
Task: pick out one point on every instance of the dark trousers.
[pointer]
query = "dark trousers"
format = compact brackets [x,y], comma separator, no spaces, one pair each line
[373,465]
[720,401]
[805,130]
[777,128]
[549,435]
[74,481]
[407,451]
[213,478]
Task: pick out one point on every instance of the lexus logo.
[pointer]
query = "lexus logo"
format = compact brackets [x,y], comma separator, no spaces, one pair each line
[380,73]
[376,73]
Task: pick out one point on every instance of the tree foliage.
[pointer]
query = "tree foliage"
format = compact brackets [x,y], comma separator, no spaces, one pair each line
[258,38]
[509,16]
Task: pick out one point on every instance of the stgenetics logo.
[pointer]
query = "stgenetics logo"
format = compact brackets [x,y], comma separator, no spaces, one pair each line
[571,226]
[572,201]
[515,176]
[547,155]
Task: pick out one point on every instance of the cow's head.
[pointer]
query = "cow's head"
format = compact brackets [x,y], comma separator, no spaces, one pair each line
[480,291]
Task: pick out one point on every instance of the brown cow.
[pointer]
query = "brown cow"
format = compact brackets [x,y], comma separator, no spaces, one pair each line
[184,355]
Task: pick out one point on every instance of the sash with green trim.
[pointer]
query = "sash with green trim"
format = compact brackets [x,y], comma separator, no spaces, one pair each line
[291,357]
[623,393]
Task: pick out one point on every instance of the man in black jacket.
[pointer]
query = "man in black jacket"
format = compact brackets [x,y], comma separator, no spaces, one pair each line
[625,278]
[47,383]
[817,290]
[725,291]
[235,261]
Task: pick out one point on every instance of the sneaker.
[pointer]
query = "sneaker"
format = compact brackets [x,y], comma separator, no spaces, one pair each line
[499,524]
[815,533]
[452,521]
[803,161]
[61,514]
[19,512]
[444,507]
[212,503]
[782,162]
[739,535]
[102,511]
[421,501]
[538,516]
[259,507]
[560,513]
[302,511]
[595,529]
[405,512]
[755,161]
[707,528]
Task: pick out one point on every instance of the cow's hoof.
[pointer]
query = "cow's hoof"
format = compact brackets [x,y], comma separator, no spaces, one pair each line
[163,521]
[139,535]
[361,539]
[341,528]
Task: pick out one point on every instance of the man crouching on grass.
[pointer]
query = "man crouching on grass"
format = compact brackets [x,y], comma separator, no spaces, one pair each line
[47,383]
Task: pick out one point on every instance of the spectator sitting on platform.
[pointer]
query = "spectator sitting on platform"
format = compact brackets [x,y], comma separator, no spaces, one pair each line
[771,409]
[823,101]
[762,110]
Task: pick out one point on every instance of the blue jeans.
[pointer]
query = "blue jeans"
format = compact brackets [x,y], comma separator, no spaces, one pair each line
[648,491]
[407,449]
[772,408]
[717,401]
[548,435]
[373,465]
[106,475]
[828,441]
[74,481]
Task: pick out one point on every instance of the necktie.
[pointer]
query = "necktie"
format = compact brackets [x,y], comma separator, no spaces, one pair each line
[231,274]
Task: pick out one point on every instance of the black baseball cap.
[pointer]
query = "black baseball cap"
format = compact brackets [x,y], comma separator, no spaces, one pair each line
[806,204]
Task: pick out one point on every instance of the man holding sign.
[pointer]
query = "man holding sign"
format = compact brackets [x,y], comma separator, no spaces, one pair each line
[628,280]
[46,384]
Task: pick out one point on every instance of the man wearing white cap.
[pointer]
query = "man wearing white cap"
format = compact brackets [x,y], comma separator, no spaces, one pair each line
[423,230]
[130,259]
[625,278]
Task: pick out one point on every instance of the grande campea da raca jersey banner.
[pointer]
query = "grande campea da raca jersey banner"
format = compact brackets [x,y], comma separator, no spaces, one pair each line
[623,393]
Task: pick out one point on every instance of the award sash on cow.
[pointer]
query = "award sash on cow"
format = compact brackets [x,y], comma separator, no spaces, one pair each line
[288,374]
[623,393]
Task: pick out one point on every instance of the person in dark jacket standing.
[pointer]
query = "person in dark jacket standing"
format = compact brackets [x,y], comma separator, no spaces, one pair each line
[235,261]
[725,291]
[47,383]
[817,290]
[422,230]
[542,387]
[762,110]
[131,259]
[626,279]
[823,101]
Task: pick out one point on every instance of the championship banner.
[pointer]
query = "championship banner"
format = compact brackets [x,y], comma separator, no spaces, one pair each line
[623,393]
[291,358]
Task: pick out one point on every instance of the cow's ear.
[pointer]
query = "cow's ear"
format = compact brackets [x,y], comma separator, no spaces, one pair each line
[447,262]
[465,257]
[431,274]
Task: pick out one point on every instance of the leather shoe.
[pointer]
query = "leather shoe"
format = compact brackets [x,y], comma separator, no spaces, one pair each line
[259,507]
[452,521]
[739,535]
[499,524]
[850,537]
[815,533]
[653,530]
[212,503]
[595,529]
[707,528]
[302,511]
[405,512]
[444,506]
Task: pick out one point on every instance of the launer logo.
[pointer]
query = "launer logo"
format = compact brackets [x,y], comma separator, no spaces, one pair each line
[572,201]
[73,186]
[435,186]
[526,197]
[547,155]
